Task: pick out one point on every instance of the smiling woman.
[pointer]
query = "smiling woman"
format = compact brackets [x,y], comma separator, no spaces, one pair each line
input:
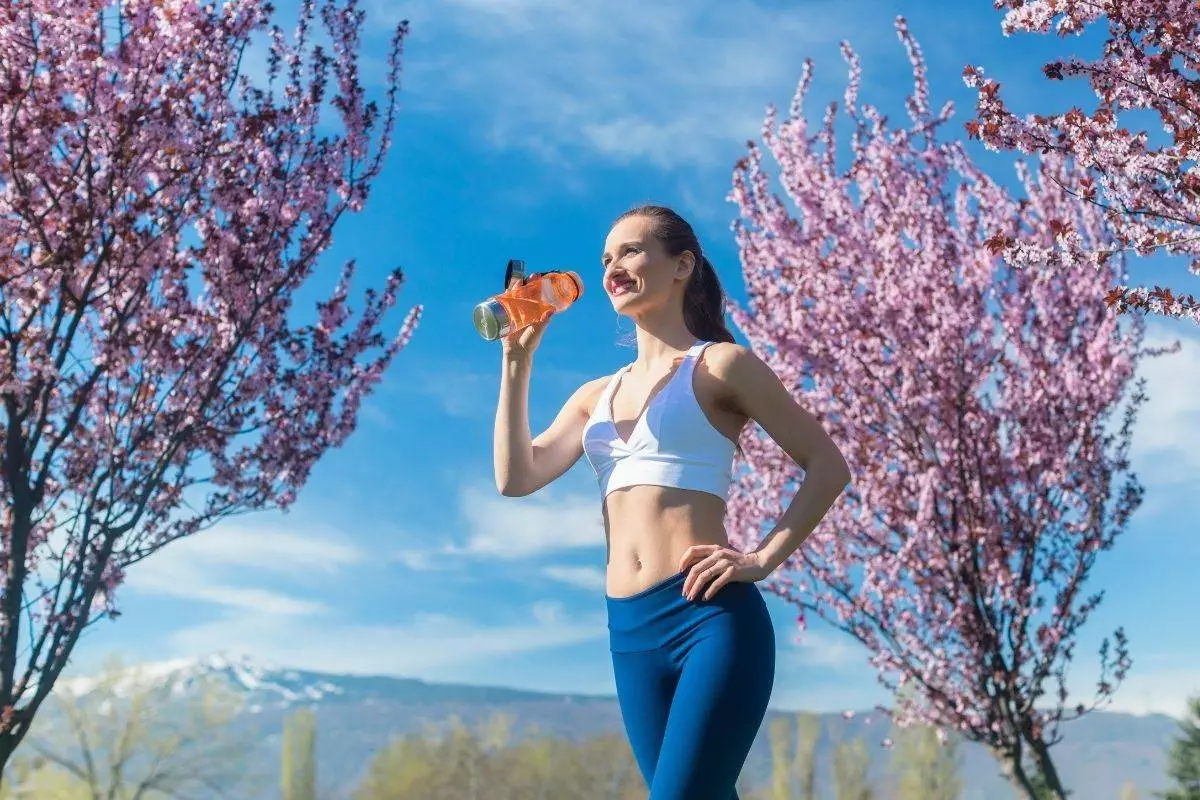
[692,644]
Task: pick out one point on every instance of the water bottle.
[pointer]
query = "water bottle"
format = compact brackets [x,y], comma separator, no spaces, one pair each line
[530,299]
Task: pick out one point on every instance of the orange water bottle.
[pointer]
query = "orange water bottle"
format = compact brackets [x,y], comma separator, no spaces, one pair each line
[526,301]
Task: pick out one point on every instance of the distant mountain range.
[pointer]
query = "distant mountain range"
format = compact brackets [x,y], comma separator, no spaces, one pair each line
[358,715]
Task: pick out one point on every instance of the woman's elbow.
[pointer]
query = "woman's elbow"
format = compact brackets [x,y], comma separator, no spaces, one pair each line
[833,465]
[511,488]
[845,476]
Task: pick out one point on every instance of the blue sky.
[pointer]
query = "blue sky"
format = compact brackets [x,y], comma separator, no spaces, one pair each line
[526,126]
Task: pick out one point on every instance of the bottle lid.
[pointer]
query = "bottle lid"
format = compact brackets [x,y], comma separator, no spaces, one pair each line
[491,320]
[514,270]
[575,279]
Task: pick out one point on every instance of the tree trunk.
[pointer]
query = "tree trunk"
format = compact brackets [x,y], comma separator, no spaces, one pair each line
[1014,771]
[1051,782]
[19,521]
[8,745]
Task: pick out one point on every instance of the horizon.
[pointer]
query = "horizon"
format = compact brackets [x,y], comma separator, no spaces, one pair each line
[217,662]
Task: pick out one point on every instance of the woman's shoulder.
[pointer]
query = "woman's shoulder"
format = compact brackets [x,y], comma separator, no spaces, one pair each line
[585,397]
[736,371]
[595,385]
[723,359]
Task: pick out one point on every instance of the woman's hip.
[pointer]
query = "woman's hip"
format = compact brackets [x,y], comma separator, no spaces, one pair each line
[660,617]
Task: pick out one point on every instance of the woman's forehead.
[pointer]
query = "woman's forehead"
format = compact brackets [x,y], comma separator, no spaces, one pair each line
[628,229]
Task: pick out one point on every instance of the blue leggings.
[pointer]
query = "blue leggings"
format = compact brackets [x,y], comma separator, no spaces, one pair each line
[693,681]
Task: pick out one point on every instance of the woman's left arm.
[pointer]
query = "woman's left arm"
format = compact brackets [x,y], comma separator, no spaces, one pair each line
[756,391]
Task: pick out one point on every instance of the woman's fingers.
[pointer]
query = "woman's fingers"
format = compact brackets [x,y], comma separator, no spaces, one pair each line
[528,337]
[695,553]
[712,568]
[703,572]
[721,581]
[689,583]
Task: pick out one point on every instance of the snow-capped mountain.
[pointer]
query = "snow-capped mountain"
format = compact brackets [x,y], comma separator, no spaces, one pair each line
[267,686]
[357,715]
[264,685]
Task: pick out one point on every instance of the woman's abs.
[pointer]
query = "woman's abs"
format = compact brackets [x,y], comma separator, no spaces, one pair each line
[649,528]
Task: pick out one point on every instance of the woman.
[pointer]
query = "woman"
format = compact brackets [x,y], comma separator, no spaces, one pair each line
[692,644]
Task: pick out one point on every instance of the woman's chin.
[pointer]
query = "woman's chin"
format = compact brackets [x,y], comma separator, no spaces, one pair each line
[622,303]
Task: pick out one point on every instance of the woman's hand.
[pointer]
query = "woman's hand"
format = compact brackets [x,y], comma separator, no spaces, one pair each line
[521,344]
[712,566]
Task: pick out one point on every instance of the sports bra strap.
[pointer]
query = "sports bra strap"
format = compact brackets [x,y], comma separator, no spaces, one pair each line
[690,361]
[604,402]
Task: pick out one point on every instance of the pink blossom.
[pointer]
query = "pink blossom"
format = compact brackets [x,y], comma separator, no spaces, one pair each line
[970,395]
[159,213]
[1150,194]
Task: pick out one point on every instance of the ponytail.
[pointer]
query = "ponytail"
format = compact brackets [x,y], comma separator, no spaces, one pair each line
[704,304]
[703,298]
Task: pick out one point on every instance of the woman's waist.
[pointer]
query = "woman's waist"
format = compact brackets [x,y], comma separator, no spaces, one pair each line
[647,540]
[646,507]
[629,574]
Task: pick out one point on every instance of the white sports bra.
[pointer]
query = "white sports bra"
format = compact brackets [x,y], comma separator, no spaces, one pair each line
[672,443]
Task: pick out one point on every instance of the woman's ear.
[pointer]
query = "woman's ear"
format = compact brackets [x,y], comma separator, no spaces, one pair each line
[685,264]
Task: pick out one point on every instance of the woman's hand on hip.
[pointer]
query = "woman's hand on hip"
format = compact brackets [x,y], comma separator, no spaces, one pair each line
[712,566]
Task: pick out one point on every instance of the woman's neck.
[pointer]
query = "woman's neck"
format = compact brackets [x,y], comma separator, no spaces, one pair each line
[660,340]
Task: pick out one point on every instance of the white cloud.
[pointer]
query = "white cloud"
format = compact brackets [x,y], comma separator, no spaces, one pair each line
[425,648]
[458,390]
[372,413]
[1161,692]
[425,560]
[264,600]
[517,528]
[1166,441]
[205,566]
[514,528]
[304,633]
[672,83]
[825,674]
[827,697]
[548,612]
[1155,685]
[178,578]
[591,578]
[815,649]
[277,547]
[465,392]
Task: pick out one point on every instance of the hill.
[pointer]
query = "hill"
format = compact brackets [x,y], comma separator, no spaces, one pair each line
[358,714]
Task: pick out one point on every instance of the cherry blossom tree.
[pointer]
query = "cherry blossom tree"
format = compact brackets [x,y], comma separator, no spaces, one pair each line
[1149,191]
[158,213]
[974,400]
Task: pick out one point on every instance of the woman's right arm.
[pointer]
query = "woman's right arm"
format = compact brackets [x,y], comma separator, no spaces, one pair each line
[524,464]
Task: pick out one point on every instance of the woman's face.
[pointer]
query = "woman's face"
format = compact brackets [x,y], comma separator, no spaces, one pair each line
[638,273]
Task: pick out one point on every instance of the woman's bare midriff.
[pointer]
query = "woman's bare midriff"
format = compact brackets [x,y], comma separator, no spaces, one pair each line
[649,528]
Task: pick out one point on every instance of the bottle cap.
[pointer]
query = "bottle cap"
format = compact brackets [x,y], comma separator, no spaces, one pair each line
[514,270]
[575,279]
[491,320]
